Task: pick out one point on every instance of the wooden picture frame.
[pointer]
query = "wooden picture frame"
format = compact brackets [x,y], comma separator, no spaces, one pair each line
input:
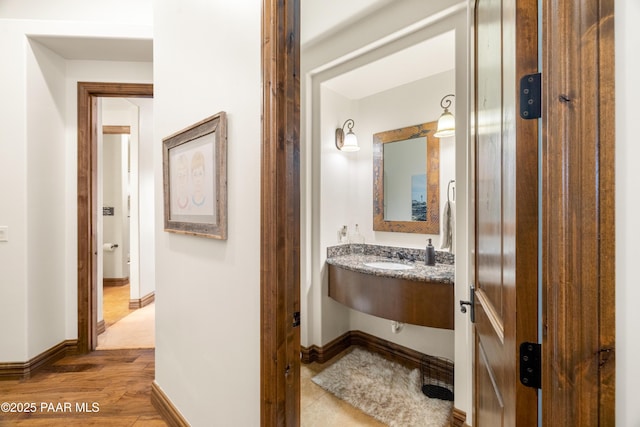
[431,224]
[195,179]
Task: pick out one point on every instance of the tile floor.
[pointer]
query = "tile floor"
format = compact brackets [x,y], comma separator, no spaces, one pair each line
[319,408]
[115,303]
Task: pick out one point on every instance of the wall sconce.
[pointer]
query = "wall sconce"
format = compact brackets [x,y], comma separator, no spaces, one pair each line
[446,122]
[347,142]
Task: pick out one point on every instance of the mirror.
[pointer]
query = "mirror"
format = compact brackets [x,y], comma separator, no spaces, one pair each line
[406,180]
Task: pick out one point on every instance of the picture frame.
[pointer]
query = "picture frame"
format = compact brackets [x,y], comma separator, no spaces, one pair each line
[195,179]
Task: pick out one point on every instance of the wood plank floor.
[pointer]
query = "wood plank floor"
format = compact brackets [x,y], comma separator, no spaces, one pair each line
[102,388]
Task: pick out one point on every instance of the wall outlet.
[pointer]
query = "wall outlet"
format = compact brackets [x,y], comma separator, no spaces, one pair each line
[4,233]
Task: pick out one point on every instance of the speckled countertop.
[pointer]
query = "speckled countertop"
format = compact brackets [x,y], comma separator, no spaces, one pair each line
[354,256]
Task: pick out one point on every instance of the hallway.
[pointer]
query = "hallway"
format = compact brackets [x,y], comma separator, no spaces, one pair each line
[105,388]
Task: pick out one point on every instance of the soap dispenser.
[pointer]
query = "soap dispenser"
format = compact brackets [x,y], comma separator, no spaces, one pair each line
[430,258]
[358,242]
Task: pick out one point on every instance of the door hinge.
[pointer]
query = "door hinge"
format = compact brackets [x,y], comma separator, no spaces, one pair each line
[296,319]
[531,96]
[530,365]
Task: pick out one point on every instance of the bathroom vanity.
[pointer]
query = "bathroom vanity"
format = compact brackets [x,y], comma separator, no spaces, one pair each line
[393,283]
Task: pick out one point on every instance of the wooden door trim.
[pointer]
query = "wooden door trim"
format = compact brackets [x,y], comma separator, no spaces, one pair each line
[116,130]
[280,214]
[579,211]
[88,93]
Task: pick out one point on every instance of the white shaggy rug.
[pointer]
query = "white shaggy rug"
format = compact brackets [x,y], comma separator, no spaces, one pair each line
[385,390]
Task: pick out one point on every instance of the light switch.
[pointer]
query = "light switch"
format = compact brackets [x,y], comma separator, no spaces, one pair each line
[4,233]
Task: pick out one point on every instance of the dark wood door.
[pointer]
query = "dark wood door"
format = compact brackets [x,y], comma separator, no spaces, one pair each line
[506,175]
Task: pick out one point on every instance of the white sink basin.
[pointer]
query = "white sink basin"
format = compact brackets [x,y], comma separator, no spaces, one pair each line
[388,265]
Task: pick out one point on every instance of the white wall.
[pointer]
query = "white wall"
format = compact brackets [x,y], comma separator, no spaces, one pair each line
[38,296]
[137,113]
[143,205]
[13,187]
[627,207]
[138,12]
[330,319]
[407,105]
[44,174]
[347,196]
[112,227]
[207,59]
[231,289]
[116,112]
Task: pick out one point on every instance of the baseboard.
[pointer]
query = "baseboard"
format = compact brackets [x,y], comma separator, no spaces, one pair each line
[458,418]
[327,352]
[167,411]
[101,327]
[440,369]
[135,304]
[24,370]
[115,281]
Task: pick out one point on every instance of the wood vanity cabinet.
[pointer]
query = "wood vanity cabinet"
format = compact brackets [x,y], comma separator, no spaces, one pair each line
[409,301]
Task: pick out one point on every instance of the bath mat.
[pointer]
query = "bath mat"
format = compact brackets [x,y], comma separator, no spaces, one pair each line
[387,391]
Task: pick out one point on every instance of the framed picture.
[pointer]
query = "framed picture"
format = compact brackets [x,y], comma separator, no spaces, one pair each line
[195,179]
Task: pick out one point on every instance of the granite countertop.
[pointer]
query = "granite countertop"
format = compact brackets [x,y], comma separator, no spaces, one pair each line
[347,259]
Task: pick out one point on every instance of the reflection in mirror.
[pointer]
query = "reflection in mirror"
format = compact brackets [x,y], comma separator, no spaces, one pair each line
[406,180]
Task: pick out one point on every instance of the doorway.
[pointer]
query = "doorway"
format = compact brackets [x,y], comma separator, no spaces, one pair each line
[88,222]
[405,93]
[126,308]
[280,405]
[116,216]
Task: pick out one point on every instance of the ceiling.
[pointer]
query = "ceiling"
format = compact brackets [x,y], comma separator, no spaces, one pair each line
[319,18]
[100,49]
[433,56]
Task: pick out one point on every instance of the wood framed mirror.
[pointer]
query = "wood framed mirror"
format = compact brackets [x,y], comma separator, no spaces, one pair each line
[406,180]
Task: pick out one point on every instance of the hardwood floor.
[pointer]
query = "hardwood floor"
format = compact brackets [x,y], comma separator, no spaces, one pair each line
[102,388]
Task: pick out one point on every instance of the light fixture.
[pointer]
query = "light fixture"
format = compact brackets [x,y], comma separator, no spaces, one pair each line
[446,122]
[347,142]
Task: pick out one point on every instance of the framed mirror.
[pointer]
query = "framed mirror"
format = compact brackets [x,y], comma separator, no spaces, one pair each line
[406,180]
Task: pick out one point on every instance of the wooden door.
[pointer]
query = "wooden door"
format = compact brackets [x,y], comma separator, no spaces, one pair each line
[506,193]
